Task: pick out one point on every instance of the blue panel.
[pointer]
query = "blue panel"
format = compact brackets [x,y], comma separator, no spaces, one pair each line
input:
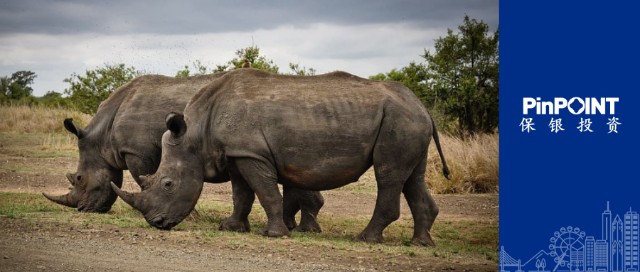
[555,182]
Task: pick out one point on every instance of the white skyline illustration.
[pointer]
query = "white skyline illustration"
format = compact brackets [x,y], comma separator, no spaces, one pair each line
[571,249]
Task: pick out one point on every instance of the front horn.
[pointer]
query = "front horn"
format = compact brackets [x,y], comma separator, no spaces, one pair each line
[144,181]
[129,198]
[66,199]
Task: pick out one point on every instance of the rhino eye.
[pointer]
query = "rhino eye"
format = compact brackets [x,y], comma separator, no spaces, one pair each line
[79,183]
[167,184]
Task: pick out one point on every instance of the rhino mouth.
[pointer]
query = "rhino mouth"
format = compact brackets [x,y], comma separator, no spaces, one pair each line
[94,202]
[160,222]
[90,209]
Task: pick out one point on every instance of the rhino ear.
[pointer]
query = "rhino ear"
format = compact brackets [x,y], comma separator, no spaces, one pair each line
[68,124]
[176,124]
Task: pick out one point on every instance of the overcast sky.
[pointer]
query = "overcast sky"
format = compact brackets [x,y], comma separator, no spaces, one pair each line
[57,38]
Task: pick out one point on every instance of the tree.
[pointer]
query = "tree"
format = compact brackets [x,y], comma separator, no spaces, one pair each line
[301,71]
[413,77]
[199,68]
[17,86]
[53,99]
[463,76]
[251,55]
[4,86]
[245,58]
[88,90]
[538,264]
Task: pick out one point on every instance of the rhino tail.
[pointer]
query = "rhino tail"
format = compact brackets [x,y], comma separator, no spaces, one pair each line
[436,138]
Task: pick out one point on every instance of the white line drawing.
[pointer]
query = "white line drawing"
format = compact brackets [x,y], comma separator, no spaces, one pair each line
[571,249]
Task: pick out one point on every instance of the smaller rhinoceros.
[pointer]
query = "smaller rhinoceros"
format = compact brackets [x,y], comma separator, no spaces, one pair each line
[314,133]
[126,132]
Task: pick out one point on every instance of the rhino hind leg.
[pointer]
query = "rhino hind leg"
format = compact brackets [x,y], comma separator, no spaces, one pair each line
[261,178]
[423,207]
[399,150]
[390,177]
[310,208]
[243,198]
[308,202]
[386,211]
[290,206]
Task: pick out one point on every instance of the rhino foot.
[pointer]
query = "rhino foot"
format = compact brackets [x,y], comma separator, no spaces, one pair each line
[369,238]
[309,227]
[235,225]
[423,240]
[290,223]
[275,231]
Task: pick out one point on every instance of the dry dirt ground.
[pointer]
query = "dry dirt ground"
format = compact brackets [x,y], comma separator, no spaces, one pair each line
[42,245]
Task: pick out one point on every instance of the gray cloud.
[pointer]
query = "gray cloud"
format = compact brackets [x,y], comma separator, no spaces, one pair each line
[364,37]
[192,17]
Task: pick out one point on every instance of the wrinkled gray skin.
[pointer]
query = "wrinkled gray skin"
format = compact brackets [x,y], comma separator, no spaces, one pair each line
[126,133]
[314,133]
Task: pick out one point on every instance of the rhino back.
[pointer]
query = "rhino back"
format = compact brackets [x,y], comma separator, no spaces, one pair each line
[303,125]
[139,121]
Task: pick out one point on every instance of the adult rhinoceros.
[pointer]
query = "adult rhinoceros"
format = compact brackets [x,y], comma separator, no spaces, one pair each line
[126,133]
[316,133]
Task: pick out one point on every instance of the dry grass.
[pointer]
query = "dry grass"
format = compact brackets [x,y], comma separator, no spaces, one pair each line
[473,163]
[25,119]
[56,140]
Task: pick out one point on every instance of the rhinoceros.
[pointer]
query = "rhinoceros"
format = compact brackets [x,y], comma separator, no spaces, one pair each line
[314,133]
[126,133]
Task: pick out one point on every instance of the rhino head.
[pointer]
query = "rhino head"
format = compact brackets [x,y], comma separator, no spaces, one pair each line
[169,195]
[90,190]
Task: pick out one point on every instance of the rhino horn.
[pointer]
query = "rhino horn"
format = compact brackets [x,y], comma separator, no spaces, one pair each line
[71,178]
[144,181]
[66,200]
[129,198]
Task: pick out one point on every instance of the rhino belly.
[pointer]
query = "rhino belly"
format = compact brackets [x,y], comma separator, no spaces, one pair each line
[323,168]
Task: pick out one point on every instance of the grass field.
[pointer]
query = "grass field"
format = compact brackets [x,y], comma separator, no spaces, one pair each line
[25,119]
[460,238]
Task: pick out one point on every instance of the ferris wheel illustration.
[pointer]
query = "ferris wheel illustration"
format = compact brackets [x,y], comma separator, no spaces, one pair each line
[566,245]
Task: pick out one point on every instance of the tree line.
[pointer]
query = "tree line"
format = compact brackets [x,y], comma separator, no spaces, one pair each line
[458,82]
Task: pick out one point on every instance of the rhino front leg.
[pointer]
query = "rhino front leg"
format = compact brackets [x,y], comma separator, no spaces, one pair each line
[243,198]
[262,179]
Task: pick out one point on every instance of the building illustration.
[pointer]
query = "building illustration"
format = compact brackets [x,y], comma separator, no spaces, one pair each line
[617,248]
